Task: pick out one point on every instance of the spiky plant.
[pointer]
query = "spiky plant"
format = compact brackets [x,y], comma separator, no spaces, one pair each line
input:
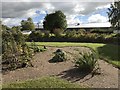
[87,61]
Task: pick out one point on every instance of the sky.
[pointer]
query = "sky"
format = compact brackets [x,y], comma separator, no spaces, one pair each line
[82,11]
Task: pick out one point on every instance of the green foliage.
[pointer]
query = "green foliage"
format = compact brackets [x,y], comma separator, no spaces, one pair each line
[60,56]
[36,48]
[106,51]
[16,28]
[4,27]
[54,21]
[58,32]
[35,36]
[15,52]
[114,14]
[43,82]
[75,36]
[70,34]
[117,35]
[47,34]
[102,31]
[87,61]
[81,31]
[27,24]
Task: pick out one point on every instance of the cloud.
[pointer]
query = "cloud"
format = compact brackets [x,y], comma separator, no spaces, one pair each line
[73,19]
[58,0]
[97,18]
[78,8]
[42,12]
[19,9]
[103,7]
[72,10]
[15,9]
[31,13]
[11,21]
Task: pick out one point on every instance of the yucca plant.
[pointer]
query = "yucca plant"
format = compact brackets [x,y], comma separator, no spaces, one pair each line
[87,61]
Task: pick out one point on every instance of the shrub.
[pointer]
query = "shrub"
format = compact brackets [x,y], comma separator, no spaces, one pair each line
[47,34]
[60,56]
[36,36]
[15,53]
[117,35]
[81,31]
[70,34]
[37,48]
[87,62]
[57,32]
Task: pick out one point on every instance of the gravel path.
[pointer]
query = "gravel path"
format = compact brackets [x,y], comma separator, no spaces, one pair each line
[66,70]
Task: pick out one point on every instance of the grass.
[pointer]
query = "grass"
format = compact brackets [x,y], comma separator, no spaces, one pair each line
[107,51]
[43,82]
[62,44]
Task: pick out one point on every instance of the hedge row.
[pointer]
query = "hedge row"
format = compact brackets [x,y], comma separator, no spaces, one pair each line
[74,36]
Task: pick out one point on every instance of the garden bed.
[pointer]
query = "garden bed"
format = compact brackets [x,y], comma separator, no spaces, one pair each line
[65,70]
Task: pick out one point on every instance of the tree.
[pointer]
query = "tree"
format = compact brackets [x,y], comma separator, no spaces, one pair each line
[114,15]
[27,24]
[55,21]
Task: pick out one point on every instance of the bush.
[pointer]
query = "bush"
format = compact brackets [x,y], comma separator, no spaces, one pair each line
[87,62]
[102,31]
[37,48]
[117,35]
[70,34]
[58,32]
[60,56]
[47,34]
[74,36]
[36,36]
[15,52]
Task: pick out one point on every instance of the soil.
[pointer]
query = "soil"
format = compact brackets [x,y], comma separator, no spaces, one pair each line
[65,70]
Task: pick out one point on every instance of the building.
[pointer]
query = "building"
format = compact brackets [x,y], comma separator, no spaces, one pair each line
[87,27]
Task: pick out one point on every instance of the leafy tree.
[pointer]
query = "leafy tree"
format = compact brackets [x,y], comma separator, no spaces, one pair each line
[55,21]
[114,14]
[27,24]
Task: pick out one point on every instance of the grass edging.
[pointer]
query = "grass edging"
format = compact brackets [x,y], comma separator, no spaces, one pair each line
[104,58]
[93,46]
[43,82]
[110,62]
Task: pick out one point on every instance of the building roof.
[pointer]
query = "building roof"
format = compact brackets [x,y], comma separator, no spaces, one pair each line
[26,32]
[88,25]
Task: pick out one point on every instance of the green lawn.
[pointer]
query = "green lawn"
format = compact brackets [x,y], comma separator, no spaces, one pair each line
[107,51]
[43,82]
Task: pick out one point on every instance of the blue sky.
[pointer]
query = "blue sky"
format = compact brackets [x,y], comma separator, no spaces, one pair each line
[76,12]
[102,12]
[82,18]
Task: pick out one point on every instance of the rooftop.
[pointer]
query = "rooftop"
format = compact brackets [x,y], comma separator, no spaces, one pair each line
[88,25]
